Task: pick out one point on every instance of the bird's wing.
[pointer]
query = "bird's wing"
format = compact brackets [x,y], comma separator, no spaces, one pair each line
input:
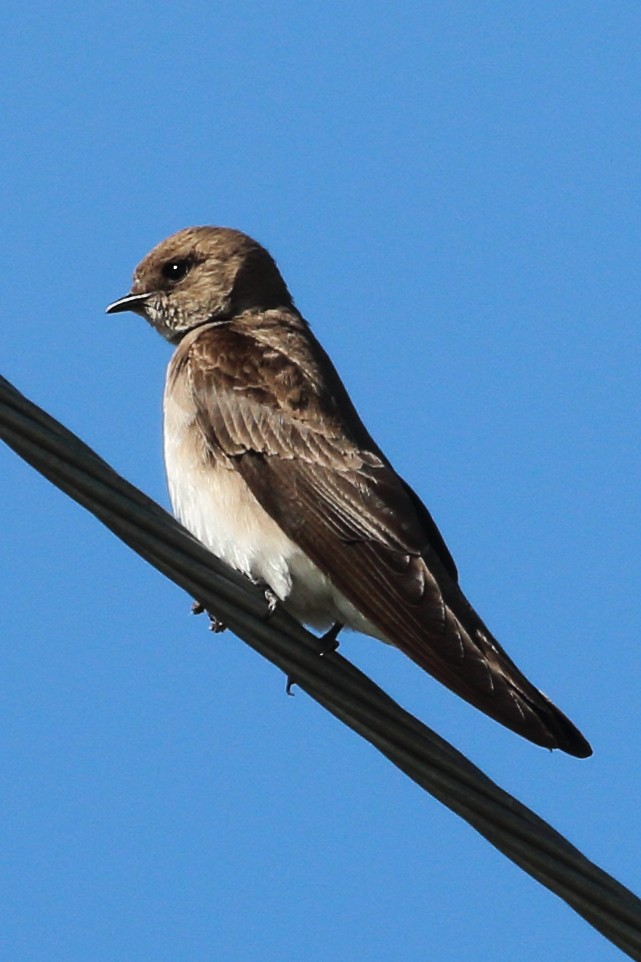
[341,502]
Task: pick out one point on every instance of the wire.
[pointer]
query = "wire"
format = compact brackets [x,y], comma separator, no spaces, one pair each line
[332,681]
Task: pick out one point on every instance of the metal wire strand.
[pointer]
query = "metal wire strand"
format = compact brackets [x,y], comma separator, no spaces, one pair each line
[332,680]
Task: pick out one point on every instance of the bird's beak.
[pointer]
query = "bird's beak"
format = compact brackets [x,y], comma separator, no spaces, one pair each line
[130,302]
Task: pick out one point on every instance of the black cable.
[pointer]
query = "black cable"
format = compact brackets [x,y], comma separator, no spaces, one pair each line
[331,680]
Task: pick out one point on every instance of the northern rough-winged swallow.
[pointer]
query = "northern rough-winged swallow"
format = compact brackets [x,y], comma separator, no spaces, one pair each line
[270,466]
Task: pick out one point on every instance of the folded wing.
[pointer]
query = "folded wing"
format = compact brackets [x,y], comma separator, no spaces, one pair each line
[311,464]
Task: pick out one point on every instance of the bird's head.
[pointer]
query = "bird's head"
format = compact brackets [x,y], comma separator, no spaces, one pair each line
[203,274]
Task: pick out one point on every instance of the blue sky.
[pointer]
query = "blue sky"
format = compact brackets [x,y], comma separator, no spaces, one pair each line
[452,193]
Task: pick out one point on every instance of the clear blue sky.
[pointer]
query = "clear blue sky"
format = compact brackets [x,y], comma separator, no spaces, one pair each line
[452,192]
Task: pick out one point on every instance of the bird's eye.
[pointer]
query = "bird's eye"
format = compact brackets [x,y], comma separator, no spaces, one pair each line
[175,270]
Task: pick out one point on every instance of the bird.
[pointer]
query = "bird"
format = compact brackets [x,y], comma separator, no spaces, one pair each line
[269,465]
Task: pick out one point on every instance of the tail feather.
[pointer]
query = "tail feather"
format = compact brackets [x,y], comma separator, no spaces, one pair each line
[510,697]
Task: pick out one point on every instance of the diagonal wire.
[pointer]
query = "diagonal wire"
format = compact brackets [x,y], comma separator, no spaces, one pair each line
[331,680]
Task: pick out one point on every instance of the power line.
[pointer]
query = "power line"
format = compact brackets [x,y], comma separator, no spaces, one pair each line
[332,681]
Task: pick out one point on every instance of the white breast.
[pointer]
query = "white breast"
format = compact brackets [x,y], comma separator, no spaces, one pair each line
[213,502]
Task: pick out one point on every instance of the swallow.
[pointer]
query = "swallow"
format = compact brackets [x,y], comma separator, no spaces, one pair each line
[269,465]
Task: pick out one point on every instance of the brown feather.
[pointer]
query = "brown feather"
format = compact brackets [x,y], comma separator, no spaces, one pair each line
[253,397]
[311,464]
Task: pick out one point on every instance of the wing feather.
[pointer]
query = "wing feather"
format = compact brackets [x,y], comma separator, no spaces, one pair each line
[294,436]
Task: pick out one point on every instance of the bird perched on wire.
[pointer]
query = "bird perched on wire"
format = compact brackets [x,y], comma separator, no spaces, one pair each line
[270,465]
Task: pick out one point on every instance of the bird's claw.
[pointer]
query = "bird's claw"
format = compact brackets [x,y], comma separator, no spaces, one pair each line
[330,639]
[330,644]
[272,601]
[215,624]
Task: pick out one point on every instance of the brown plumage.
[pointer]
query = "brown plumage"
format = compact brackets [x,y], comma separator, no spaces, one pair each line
[270,464]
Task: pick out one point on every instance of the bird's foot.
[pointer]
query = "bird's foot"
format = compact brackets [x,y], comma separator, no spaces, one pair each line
[330,644]
[215,624]
[330,639]
[272,601]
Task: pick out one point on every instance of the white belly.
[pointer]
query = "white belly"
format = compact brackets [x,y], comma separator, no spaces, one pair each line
[215,504]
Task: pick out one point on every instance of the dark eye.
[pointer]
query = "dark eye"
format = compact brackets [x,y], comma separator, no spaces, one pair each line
[176,270]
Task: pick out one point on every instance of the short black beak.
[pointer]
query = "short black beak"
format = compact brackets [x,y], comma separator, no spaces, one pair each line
[130,302]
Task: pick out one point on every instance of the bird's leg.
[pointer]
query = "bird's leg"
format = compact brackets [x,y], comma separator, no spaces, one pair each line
[269,595]
[330,638]
[215,624]
[330,644]
[272,601]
